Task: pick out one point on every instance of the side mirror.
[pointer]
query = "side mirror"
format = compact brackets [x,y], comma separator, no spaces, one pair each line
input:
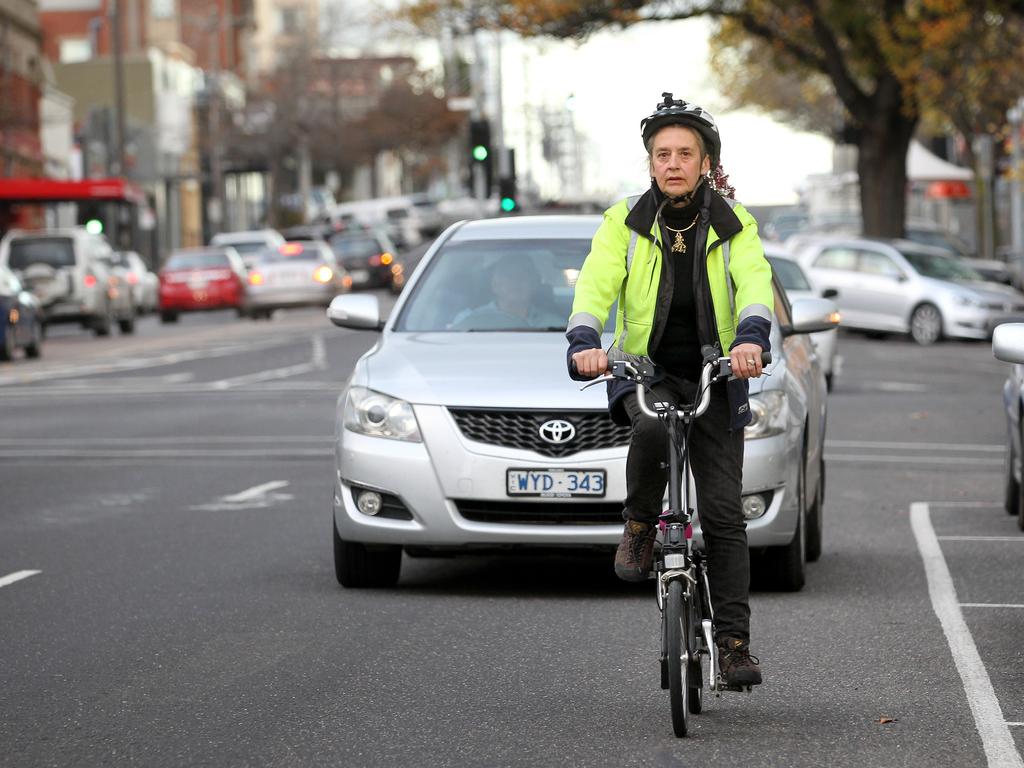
[359,312]
[813,315]
[1008,342]
[829,293]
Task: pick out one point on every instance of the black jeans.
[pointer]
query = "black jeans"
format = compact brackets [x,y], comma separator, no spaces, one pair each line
[716,460]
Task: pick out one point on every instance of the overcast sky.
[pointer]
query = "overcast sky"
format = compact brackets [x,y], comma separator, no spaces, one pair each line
[616,78]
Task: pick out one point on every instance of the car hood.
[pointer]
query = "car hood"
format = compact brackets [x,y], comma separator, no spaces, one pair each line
[510,370]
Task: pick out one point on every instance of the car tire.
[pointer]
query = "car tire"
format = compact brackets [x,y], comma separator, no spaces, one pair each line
[7,347]
[168,317]
[926,324]
[1011,492]
[127,324]
[786,565]
[102,323]
[358,566]
[35,347]
[816,519]
[828,381]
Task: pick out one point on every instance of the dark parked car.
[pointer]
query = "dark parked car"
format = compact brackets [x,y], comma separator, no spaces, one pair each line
[21,325]
[369,258]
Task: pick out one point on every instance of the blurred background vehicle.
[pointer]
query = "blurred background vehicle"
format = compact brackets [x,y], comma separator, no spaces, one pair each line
[792,278]
[142,281]
[900,286]
[454,410]
[398,217]
[249,243]
[369,258]
[21,321]
[71,272]
[296,274]
[200,279]
[1008,346]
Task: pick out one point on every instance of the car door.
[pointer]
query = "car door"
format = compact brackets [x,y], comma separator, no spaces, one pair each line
[880,291]
[833,271]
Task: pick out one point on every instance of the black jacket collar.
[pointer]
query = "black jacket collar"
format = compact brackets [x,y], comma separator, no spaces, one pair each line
[714,209]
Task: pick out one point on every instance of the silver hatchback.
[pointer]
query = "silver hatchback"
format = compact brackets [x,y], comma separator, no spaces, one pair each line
[905,287]
[460,431]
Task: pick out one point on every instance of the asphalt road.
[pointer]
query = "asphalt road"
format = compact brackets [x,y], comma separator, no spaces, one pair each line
[167,594]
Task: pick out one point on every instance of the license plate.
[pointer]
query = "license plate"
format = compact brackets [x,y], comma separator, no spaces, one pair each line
[555,482]
[359,275]
[197,284]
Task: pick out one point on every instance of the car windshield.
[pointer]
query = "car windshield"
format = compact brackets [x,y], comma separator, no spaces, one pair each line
[789,274]
[197,260]
[349,247]
[292,252]
[248,249]
[940,266]
[56,252]
[498,285]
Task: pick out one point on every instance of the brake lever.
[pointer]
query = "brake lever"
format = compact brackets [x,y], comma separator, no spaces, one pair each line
[598,380]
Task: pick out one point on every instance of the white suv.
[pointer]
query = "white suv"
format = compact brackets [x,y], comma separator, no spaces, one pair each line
[70,272]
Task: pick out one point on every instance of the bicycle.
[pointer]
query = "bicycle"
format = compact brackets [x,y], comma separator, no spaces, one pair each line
[680,572]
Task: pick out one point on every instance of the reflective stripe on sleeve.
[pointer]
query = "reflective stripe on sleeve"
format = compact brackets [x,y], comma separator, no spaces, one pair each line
[586,319]
[755,310]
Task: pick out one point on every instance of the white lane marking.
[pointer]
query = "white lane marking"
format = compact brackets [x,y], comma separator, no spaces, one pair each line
[952,460]
[990,448]
[1018,539]
[318,362]
[257,497]
[16,576]
[319,353]
[1009,723]
[999,745]
[992,605]
[893,386]
[14,442]
[255,492]
[966,504]
[284,452]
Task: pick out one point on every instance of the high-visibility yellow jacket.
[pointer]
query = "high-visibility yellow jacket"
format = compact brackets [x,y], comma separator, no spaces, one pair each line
[627,263]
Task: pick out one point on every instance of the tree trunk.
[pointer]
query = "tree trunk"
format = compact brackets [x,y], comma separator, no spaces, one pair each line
[882,168]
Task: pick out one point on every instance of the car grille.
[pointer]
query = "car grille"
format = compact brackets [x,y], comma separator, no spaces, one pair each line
[540,513]
[522,429]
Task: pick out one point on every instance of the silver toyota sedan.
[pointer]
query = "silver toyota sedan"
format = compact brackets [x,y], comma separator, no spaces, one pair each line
[460,430]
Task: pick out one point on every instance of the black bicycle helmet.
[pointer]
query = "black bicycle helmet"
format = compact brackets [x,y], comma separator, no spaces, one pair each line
[678,112]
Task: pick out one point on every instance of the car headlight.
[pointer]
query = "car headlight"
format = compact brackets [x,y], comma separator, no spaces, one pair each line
[969,301]
[768,411]
[371,413]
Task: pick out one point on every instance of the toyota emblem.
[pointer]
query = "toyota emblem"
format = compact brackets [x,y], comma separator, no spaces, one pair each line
[557,431]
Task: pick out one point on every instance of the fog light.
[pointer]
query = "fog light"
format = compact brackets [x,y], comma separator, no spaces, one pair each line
[369,502]
[754,506]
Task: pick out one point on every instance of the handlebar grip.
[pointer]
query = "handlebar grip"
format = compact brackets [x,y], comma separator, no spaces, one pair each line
[766,358]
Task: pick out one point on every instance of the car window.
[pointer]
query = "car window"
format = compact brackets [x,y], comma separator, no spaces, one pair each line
[291,252]
[789,274]
[56,252]
[498,285]
[871,263]
[939,266]
[248,249]
[198,260]
[355,247]
[781,306]
[837,258]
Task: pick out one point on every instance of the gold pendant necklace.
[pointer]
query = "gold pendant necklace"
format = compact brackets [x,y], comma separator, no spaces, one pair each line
[678,245]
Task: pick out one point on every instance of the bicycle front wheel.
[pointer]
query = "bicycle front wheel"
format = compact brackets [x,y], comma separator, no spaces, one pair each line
[677,634]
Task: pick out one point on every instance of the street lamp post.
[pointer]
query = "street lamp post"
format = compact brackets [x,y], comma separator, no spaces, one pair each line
[1015,115]
[119,119]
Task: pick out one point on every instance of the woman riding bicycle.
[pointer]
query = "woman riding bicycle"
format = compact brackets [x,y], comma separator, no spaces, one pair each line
[675,309]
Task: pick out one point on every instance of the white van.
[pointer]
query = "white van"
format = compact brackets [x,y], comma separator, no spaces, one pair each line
[397,216]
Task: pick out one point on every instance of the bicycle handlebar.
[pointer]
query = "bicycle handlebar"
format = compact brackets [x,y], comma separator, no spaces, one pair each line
[643,371]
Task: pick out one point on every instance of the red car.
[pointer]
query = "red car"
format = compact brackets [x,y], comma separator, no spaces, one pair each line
[198,279]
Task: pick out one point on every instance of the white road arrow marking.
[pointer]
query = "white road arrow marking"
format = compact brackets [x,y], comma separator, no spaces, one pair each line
[257,497]
[16,576]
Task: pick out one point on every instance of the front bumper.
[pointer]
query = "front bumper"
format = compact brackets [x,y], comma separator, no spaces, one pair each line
[442,481]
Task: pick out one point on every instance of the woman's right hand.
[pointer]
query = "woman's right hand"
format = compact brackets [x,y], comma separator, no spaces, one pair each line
[591,362]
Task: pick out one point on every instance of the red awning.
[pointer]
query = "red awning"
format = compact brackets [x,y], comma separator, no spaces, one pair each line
[62,191]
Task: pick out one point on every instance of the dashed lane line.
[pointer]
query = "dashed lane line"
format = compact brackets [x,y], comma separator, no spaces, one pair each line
[998,743]
[992,605]
[16,576]
[1016,539]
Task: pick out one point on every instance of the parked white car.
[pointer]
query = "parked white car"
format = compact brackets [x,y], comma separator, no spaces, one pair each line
[460,431]
[72,274]
[898,286]
[794,281]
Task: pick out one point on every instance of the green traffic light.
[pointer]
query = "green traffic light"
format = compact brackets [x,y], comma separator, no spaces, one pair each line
[480,152]
[508,204]
[94,227]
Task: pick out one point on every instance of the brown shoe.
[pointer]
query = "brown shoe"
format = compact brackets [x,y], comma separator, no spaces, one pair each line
[738,668]
[635,555]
